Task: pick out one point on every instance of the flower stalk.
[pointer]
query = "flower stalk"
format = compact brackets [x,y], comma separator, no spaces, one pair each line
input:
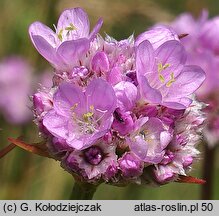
[208,172]
[6,150]
[83,191]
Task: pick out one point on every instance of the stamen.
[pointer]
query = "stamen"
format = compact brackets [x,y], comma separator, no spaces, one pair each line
[171,81]
[55,27]
[161,78]
[74,106]
[60,35]
[87,123]
[71,27]
[166,66]
[162,67]
[87,116]
[146,135]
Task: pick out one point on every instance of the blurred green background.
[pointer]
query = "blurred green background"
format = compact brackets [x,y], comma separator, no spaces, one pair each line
[27,176]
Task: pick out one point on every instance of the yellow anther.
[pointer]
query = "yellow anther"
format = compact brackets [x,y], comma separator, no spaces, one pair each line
[162,67]
[71,27]
[148,140]
[171,81]
[60,35]
[161,78]
[87,116]
[166,66]
[74,106]
[91,107]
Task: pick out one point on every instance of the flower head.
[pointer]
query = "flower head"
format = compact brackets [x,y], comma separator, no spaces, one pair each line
[118,111]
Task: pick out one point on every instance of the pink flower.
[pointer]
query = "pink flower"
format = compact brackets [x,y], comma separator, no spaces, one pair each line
[202,47]
[15,87]
[149,139]
[130,165]
[81,118]
[64,48]
[94,161]
[163,76]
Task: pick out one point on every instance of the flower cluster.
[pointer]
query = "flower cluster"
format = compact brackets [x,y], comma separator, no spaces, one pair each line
[202,45]
[118,111]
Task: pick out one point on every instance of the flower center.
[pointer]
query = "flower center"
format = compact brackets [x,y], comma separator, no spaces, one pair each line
[160,69]
[93,155]
[68,29]
[147,135]
[87,123]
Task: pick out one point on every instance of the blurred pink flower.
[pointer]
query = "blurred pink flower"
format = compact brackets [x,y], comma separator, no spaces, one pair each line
[15,88]
[202,45]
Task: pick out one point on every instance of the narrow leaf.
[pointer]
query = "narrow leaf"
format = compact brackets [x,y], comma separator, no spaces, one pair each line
[6,150]
[38,149]
[190,179]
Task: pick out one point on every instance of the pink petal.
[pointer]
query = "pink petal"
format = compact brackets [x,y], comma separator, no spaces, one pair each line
[178,103]
[185,23]
[100,62]
[101,95]
[145,58]
[174,105]
[147,92]
[39,29]
[157,35]
[69,98]
[172,53]
[71,51]
[139,147]
[165,138]
[79,19]
[208,36]
[186,83]
[46,50]
[126,94]
[114,76]
[56,124]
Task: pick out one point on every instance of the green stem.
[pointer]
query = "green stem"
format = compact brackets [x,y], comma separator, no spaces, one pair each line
[83,191]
